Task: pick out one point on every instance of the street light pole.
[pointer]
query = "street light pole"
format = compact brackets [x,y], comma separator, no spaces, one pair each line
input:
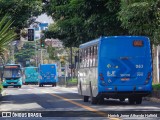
[41,56]
[36,53]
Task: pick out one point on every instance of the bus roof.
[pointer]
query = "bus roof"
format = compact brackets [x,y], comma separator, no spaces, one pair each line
[93,42]
[12,64]
[31,67]
[47,64]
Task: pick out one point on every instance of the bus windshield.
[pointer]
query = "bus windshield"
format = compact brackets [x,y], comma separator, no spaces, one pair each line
[12,73]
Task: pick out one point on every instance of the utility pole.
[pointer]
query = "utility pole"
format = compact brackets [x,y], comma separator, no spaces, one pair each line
[41,56]
[36,53]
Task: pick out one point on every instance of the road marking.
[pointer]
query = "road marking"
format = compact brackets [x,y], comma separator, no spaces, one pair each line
[80,105]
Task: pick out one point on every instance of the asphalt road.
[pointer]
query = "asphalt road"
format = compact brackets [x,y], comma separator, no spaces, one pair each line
[65,103]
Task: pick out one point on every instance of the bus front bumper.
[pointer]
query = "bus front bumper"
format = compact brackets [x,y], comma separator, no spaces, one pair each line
[5,84]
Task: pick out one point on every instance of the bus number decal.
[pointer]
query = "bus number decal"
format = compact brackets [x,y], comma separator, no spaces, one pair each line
[139,73]
[139,66]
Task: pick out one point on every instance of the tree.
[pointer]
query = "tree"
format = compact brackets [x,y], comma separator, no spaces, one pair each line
[21,11]
[79,21]
[141,17]
[6,35]
[25,54]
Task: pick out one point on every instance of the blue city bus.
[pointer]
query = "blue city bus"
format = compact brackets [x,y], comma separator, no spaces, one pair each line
[48,75]
[31,75]
[12,75]
[117,67]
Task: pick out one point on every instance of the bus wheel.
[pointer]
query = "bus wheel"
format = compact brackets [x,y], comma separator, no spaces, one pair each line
[4,86]
[20,86]
[39,85]
[94,100]
[131,101]
[122,99]
[139,100]
[53,85]
[101,100]
[85,98]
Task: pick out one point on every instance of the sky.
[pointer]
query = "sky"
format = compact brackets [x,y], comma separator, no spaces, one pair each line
[44,19]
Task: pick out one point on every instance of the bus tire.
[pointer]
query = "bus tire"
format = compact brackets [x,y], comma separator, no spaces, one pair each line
[101,100]
[4,86]
[131,101]
[85,98]
[139,100]
[20,86]
[53,85]
[94,100]
[122,99]
[80,87]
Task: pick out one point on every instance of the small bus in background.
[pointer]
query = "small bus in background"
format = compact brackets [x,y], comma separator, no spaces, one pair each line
[12,75]
[48,75]
[116,67]
[31,75]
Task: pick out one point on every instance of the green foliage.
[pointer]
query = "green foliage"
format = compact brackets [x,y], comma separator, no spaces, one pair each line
[1,87]
[6,34]
[73,80]
[21,10]
[141,17]
[80,21]
[25,54]
[52,53]
[156,86]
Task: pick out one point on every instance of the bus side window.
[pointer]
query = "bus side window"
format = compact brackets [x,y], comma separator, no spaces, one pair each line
[96,56]
[91,53]
[83,58]
[92,56]
[85,65]
[80,58]
[88,60]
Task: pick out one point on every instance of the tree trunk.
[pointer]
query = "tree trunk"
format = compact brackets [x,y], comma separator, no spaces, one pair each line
[155,64]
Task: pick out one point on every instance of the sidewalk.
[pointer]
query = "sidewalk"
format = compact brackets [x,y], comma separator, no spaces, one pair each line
[2,93]
[152,99]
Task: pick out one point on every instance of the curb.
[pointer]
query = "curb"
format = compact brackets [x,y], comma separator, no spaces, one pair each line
[152,99]
[2,93]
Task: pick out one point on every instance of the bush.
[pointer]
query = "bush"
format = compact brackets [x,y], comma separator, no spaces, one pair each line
[156,86]
[74,80]
[1,87]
